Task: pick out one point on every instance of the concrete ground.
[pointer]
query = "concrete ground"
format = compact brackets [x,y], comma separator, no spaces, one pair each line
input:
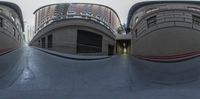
[46,76]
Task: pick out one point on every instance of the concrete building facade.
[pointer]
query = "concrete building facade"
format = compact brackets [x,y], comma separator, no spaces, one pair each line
[76,28]
[11,40]
[165,41]
[11,26]
[165,29]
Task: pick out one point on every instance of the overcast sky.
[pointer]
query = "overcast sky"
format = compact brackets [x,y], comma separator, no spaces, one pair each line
[120,6]
[29,6]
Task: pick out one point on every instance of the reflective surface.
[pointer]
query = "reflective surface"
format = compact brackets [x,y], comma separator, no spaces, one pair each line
[11,67]
[118,77]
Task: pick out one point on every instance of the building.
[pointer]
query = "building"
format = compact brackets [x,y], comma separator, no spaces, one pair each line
[76,28]
[11,40]
[11,27]
[165,30]
[29,32]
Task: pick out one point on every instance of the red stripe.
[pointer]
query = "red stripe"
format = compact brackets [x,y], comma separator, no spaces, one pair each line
[5,50]
[172,57]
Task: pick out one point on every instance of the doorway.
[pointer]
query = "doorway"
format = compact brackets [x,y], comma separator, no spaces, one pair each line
[88,42]
[110,50]
[43,42]
[50,39]
[123,47]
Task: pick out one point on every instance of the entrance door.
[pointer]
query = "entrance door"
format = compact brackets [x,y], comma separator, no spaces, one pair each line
[43,42]
[89,42]
[110,50]
[50,41]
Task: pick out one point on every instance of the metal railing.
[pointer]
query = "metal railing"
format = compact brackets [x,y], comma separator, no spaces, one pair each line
[86,17]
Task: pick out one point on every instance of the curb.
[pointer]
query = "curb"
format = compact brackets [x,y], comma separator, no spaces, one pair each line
[71,57]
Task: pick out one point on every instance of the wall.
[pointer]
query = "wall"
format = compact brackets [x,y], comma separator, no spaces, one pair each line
[174,32]
[65,35]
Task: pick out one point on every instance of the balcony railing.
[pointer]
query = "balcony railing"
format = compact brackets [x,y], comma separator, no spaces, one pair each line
[83,16]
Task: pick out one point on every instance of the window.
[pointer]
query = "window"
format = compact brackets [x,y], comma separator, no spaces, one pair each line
[65,8]
[87,10]
[89,13]
[1,22]
[71,9]
[50,39]
[12,17]
[136,19]
[136,33]
[99,12]
[151,21]
[48,12]
[151,10]
[18,37]
[14,32]
[58,10]
[196,19]
[39,42]
[194,9]
[98,17]
[71,13]
[110,50]
[43,42]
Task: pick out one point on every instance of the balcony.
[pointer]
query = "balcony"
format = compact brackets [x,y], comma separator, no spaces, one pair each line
[75,16]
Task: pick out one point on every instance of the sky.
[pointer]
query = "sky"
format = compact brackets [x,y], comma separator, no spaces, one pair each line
[29,6]
[120,6]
